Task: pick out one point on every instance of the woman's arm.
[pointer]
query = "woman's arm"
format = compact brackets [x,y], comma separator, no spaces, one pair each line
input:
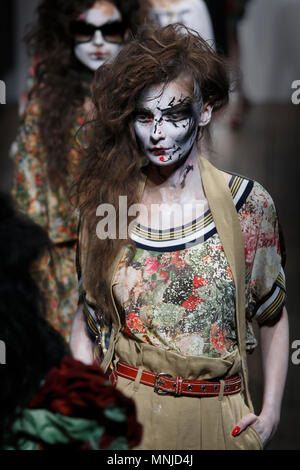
[80,342]
[275,353]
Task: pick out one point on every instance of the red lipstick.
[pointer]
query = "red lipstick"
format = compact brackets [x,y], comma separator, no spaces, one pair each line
[158,151]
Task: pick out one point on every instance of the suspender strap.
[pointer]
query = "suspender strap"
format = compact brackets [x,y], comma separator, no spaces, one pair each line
[228,227]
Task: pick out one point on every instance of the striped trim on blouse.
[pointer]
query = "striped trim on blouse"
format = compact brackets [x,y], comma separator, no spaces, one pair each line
[197,231]
[271,305]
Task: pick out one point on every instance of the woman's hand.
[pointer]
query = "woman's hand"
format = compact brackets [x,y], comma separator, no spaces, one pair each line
[264,424]
[275,354]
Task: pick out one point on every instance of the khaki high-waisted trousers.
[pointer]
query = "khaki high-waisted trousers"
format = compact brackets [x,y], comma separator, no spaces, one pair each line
[184,423]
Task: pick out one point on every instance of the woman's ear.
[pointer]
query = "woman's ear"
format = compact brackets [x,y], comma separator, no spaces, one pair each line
[205,116]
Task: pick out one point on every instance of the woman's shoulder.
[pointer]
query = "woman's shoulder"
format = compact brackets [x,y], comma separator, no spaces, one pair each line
[252,192]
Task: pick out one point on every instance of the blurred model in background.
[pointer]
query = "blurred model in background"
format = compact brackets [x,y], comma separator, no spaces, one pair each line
[70,40]
[192,13]
[236,10]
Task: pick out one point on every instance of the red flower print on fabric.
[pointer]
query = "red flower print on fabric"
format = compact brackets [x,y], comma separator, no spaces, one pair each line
[268,237]
[177,260]
[250,244]
[164,275]
[217,338]
[152,265]
[199,281]
[191,302]
[135,323]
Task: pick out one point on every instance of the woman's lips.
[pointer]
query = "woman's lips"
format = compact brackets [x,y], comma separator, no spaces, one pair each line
[97,56]
[158,151]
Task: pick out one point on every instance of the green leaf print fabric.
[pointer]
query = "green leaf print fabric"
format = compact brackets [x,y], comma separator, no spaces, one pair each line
[184,300]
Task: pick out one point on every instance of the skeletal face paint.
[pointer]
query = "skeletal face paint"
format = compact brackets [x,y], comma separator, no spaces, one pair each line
[100,47]
[166,123]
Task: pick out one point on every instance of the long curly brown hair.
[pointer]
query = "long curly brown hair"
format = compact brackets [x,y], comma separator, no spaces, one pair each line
[62,83]
[113,166]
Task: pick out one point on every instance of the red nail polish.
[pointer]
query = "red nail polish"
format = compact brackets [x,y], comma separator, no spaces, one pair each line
[236,431]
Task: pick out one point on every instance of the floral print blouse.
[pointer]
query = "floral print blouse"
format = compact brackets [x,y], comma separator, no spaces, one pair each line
[177,293]
[47,206]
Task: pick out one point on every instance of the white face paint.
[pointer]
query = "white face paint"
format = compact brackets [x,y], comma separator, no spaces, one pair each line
[99,48]
[166,123]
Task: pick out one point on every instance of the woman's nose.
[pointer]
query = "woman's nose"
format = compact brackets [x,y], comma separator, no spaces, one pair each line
[157,133]
[98,38]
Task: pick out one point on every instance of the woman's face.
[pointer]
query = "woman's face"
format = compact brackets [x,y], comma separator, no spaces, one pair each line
[98,34]
[166,122]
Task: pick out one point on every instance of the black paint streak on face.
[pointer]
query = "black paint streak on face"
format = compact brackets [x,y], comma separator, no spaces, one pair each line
[175,124]
[192,129]
[193,136]
[183,104]
[175,151]
[157,122]
[184,100]
[179,113]
[186,171]
[171,104]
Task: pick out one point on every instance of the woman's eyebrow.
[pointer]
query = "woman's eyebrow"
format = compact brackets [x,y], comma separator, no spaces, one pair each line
[142,109]
[184,107]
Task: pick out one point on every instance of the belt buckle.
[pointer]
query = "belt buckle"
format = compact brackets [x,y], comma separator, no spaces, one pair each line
[156,383]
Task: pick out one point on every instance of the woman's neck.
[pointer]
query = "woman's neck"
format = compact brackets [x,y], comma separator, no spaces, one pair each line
[174,196]
[177,182]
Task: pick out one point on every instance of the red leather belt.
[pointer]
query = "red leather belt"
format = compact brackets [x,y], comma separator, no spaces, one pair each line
[164,383]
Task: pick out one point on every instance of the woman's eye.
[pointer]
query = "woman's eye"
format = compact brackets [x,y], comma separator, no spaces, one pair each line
[176,117]
[144,118]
